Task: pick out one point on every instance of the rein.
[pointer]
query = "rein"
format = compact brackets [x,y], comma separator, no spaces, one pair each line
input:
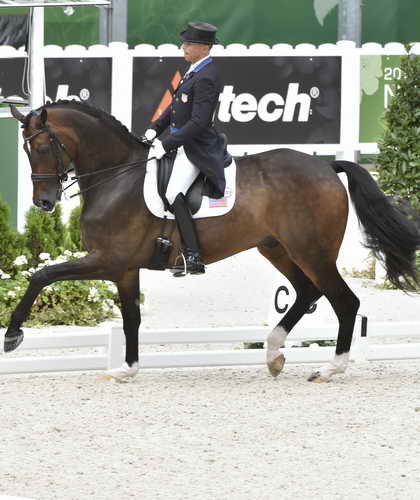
[61,174]
[88,174]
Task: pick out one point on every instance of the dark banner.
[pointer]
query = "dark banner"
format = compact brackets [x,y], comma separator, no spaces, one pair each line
[11,77]
[13,30]
[88,80]
[265,100]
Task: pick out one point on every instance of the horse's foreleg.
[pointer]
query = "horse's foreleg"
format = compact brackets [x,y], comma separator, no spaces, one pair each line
[89,267]
[129,291]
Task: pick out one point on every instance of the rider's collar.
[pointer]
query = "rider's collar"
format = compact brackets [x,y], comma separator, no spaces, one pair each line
[199,64]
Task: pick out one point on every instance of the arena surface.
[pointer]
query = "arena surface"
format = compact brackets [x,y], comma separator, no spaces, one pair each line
[219,432]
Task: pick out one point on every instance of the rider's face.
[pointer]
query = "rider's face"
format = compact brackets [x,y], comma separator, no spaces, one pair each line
[193,52]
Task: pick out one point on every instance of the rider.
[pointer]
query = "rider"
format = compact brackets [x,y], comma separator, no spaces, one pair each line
[199,147]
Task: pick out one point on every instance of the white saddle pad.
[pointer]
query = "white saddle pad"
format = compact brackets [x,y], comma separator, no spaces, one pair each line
[210,207]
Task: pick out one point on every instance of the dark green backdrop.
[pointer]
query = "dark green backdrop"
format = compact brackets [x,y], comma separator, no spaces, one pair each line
[244,21]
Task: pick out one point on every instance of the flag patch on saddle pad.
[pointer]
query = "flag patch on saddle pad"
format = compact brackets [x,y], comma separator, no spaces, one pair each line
[218,202]
[221,202]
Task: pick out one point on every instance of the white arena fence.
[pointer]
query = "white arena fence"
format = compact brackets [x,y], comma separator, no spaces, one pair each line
[111,346]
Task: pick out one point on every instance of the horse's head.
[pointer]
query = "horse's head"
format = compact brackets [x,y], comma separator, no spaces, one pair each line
[48,156]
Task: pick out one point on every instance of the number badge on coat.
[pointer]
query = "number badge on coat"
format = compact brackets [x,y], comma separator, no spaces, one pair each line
[184,97]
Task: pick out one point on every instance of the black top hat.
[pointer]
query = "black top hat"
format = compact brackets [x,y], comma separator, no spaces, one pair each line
[199,32]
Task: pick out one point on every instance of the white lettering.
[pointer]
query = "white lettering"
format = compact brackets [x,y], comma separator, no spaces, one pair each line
[62,93]
[225,98]
[244,108]
[292,99]
[270,108]
[388,94]
[276,113]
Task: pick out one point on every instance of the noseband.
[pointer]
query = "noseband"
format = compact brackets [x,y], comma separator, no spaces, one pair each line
[58,148]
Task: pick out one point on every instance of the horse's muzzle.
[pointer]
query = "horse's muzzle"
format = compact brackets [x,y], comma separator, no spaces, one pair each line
[46,205]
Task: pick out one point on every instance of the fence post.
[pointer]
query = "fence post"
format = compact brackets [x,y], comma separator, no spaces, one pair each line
[360,346]
[115,348]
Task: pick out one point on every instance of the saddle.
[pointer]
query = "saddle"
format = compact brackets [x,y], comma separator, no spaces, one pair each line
[199,188]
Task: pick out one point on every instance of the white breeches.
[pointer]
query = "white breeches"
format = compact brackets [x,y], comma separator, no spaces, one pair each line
[183,175]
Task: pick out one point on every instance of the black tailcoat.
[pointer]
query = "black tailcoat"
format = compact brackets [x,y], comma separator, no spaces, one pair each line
[190,118]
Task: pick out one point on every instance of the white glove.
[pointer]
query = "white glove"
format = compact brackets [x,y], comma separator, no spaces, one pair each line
[150,134]
[158,149]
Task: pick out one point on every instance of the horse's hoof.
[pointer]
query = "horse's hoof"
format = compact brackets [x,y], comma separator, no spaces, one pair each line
[276,366]
[317,378]
[13,340]
[123,374]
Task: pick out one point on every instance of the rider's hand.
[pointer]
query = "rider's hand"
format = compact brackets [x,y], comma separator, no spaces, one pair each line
[150,134]
[158,149]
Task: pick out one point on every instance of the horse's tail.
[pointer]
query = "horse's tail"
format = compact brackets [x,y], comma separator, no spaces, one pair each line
[391,236]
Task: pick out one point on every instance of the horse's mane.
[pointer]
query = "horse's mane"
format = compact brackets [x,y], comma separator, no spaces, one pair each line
[108,120]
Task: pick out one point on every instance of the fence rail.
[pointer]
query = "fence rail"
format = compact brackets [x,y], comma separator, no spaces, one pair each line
[110,347]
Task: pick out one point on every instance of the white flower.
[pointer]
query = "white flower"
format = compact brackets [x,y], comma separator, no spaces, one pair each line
[79,255]
[19,261]
[111,287]
[25,273]
[5,276]
[31,270]
[11,293]
[108,305]
[48,288]
[93,295]
[44,256]
[68,253]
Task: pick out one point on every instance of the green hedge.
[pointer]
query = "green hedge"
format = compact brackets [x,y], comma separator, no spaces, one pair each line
[44,242]
[399,157]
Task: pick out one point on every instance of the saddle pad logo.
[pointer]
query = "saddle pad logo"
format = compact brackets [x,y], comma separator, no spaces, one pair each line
[184,97]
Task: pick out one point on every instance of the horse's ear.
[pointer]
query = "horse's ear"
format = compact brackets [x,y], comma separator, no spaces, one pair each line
[44,116]
[17,114]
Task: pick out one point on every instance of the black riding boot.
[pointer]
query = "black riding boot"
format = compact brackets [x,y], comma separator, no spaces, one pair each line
[187,230]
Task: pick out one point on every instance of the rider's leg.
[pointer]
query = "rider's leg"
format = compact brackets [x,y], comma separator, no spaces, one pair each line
[183,175]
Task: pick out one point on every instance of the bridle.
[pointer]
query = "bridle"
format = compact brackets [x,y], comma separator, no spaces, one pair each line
[58,149]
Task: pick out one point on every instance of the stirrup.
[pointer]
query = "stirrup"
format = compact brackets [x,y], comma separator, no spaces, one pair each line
[176,269]
[191,265]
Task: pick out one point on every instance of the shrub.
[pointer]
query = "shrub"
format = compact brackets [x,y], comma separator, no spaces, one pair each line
[399,157]
[73,228]
[62,303]
[11,242]
[44,233]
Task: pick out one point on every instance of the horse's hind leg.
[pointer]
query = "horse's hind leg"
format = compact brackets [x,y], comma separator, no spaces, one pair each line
[345,304]
[306,294]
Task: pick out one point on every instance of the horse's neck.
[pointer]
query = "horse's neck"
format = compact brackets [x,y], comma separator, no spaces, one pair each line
[105,153]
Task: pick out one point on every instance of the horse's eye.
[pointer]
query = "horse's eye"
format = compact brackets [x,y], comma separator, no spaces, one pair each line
[43,149]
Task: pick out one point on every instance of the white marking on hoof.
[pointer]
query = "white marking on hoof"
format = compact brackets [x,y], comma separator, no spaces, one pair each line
[338,365]
[122,374]
[275,341]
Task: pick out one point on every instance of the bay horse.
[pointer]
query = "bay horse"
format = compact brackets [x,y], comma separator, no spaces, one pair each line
[290,205]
